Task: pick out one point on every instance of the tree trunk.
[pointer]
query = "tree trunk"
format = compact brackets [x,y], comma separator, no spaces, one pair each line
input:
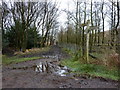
[102,22]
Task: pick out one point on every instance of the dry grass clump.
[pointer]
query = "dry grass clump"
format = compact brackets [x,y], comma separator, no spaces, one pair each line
[107,57]
[31,51]
[18,53]
[111,58]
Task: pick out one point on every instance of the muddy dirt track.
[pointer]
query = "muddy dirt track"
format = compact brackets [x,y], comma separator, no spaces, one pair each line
[23,75]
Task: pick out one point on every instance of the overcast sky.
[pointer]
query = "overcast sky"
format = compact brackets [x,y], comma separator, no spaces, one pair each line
[63,6]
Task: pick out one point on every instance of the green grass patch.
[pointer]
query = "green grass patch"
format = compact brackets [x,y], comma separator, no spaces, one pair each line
[70,52]
[17,58]
[9,60]
[91,69]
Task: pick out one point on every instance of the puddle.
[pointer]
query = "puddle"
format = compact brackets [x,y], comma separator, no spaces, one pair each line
[57,57]
[61,72]
[47,66]
[51,68]
[39,67]
[42,67]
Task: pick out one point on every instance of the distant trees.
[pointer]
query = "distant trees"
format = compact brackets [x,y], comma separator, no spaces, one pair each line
[114,21]
[34,24]
[4,15]
[49,20]
[96,13]
[28,24]
[23,15]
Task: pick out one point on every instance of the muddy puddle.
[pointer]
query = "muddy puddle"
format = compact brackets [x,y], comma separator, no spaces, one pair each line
[51,68]
[50,64]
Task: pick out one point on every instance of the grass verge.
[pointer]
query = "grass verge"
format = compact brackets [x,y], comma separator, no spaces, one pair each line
[32,51]
[96,68]
[16,59]
[9,60]
[91,69]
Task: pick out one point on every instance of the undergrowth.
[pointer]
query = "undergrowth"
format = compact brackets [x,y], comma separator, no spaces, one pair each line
[91,69]
[96,67]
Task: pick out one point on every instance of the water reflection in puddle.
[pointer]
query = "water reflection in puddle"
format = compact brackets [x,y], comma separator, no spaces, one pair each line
[39,67]
[42,67]
[57,57]
[61,72]
[48,67]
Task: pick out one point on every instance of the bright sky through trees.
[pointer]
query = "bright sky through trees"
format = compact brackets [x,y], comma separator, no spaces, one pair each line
[64,5]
